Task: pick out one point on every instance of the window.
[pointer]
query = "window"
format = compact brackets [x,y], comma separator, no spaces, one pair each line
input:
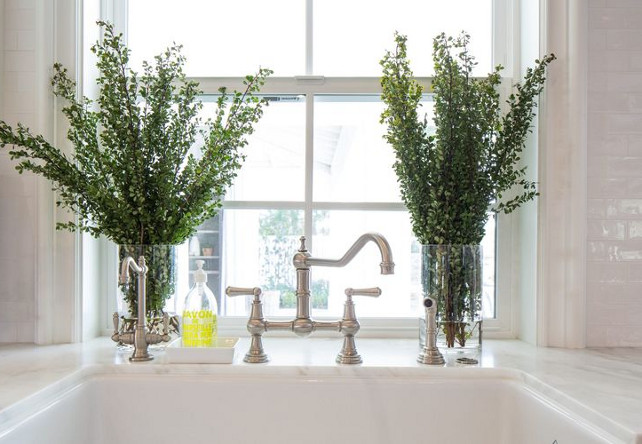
[317,164]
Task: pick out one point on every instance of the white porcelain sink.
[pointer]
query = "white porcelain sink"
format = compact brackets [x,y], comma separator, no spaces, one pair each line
[302,406]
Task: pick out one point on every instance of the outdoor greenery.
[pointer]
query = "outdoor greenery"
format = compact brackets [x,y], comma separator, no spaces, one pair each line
[279,231]
[133,175]
[453,176]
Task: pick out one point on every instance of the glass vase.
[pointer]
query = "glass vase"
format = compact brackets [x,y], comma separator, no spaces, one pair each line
[161,279]
[452,276]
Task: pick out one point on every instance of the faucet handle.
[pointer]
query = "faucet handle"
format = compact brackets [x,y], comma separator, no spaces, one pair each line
[373,292]
[243,291]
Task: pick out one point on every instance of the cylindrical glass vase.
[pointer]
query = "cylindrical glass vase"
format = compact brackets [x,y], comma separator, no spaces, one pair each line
[452,275]
[161,278]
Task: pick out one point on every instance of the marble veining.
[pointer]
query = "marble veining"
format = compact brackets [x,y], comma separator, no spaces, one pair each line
[604,386]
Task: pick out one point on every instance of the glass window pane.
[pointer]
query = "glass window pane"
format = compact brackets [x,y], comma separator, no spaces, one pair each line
[274,168]
[335,232]
[221,38]
[488,250]
[350,37]
[352,161]
[258,250]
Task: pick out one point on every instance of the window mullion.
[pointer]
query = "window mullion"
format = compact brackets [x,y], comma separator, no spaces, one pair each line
[309,37]
[309,166]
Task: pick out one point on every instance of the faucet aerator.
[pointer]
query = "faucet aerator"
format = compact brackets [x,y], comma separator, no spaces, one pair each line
[387,268]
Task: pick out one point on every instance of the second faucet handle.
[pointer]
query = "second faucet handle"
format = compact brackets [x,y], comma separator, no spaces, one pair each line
[256,325]
[373,292]
[243,291]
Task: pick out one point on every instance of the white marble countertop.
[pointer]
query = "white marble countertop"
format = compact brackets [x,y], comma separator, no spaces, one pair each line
[603,385]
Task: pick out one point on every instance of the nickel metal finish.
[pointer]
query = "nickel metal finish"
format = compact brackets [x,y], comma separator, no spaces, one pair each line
[303,324]
[139,338]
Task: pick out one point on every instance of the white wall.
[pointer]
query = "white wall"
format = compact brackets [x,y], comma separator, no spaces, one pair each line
[38,276]
[17,192]
[614,245]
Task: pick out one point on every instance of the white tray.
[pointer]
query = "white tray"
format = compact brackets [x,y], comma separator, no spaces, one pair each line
[221,352]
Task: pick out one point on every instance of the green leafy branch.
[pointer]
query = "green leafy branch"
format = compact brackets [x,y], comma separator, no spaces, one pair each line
[132,176]
[451,178]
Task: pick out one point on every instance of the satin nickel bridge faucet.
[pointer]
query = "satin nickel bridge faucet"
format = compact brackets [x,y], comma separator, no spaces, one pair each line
[303,324]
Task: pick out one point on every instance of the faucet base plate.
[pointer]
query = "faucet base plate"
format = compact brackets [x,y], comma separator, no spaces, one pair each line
[256,358]
[349,359]
[141,358]
[431,357]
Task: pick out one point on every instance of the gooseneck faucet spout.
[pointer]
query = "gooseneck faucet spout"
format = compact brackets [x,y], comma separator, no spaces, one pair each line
[387,264]
[128,263]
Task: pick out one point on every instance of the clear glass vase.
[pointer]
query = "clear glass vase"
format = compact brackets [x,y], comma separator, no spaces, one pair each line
[160,285]
[452,275]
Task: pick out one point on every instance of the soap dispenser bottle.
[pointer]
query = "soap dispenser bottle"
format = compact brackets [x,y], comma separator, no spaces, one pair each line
[199,315]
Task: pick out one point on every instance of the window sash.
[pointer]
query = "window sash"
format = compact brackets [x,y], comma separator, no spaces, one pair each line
[504,27]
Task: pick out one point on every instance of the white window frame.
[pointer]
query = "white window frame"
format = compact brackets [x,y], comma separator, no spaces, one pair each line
[505,27]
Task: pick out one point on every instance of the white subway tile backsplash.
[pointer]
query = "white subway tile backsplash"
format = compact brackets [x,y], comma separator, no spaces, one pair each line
[597,82]
[623,4]
[26,331]
[623,82]
[634,145]
[635,230]
[26,40]
[20,310]
[19,61]
[624,39]
[608,272]
[606,229]
[612,144]
[17,274]
[614,250]
[636,61]
[20,19]
[596,208]
[633,188]
[614,336]
[17,192]
[605,188]
[597,166]
[635,274]
[9,332]
[609,61]
[27,119]
[10,39]
[624,166]
[19,81]
[628,123]
[615,314]
[19,101]
[596,335]
[613,293]
[597,40]
[607,18]
[19,4]
[15,185]
[16,234]
[623,336]
[631,208]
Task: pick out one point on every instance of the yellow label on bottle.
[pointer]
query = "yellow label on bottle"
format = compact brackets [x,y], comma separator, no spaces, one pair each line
[199,328]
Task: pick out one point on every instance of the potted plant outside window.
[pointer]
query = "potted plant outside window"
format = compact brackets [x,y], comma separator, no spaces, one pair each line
[133,176]
[451,177]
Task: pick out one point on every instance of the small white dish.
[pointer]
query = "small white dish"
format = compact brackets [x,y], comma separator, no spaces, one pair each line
[221,352]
